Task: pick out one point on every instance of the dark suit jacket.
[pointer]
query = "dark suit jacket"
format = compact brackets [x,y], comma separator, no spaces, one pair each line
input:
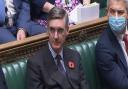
[111,62]
[2,80]
[42,72]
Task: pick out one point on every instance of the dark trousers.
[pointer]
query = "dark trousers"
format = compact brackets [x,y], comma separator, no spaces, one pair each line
[9,34]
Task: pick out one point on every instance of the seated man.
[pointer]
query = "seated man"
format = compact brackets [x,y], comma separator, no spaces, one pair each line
[111,49]
[55,66]
[40,8]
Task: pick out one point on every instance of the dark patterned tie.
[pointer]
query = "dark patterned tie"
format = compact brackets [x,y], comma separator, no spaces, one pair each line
[125,39]
[2,12]
[59,64]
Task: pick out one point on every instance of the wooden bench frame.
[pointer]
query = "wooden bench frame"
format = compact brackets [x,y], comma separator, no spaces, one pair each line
[77,33]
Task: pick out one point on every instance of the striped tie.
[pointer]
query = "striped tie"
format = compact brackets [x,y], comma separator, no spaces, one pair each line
[59,64]
[2,12]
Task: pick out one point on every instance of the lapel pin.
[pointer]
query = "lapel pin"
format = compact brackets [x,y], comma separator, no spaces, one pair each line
[71,64]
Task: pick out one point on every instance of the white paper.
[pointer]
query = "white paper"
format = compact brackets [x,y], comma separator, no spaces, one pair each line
[84,13]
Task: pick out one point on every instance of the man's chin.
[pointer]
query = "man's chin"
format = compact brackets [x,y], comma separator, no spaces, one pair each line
[56,47]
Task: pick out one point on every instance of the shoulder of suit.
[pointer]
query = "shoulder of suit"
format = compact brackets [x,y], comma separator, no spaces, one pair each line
[71,51]
[39,53]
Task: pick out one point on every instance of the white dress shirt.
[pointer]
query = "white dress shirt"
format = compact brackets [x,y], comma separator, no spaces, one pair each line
[122,44]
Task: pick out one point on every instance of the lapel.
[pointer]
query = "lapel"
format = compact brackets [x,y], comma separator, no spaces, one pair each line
[55,75]
[117,48]
[70,72]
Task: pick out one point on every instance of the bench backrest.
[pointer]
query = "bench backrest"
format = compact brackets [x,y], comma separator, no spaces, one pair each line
[87,52]
[15,72]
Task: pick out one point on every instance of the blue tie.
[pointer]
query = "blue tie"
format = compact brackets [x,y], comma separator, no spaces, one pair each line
[2,12]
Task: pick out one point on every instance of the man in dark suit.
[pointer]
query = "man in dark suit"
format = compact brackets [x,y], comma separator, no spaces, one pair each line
[2,80]
[55,66]
[111,49]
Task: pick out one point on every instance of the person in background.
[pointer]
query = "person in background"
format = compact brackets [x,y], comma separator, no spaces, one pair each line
[55,66]
[14,18]
[40,8]
[112,47]
[15,21]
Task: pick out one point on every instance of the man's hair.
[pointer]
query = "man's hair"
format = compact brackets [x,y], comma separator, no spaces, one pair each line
[58,13]
[125,1]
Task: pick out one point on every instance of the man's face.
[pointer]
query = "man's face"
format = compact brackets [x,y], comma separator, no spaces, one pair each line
[58,32]
[117,8]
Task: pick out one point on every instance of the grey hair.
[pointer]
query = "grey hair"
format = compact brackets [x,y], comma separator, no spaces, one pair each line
[58,13]
[125,1]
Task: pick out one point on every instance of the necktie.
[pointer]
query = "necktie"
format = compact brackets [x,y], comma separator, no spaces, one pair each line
[59,64]
[125,39]
[2,12]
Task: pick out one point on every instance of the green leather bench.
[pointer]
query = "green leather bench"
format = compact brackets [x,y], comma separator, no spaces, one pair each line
[15,71]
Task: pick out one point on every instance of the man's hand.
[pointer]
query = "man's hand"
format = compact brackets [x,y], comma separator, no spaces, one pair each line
[86,2]
[21,34]
[47,7]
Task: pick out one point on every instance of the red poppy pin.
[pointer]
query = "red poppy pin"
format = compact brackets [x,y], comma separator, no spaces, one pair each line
[71,64]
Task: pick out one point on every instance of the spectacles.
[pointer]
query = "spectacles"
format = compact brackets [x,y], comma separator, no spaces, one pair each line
[58,30]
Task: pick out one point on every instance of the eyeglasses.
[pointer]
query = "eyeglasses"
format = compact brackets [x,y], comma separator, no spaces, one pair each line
[59,30]
[116,12]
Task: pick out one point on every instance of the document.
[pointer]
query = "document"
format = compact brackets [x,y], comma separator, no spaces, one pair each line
[84,13]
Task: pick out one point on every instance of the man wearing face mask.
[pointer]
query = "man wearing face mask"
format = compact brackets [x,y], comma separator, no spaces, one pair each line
[111,49]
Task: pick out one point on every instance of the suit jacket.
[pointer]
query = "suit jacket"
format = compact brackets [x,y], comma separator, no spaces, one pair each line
[111,62]
[42,72]
[2,80]
[22,16]
[22,13]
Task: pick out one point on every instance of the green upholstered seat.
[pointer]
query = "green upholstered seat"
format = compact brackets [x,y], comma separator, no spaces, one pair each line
[15,74]
[87,52]
[15,71]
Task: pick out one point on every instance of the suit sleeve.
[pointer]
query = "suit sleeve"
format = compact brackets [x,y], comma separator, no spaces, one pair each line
[39,3]
[83,82]
[33,75]
[108,68]
[2,80]
[24,15]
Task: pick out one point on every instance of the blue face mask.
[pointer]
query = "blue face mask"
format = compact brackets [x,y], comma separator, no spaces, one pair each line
[117,24]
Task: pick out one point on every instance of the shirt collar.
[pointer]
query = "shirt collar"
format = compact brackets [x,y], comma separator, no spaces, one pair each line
[53,52]
[119,36]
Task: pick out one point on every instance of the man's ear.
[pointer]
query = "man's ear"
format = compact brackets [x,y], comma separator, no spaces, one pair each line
[106,12]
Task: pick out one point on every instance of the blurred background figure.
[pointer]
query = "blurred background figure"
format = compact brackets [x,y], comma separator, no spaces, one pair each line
[40,8]
[16,15]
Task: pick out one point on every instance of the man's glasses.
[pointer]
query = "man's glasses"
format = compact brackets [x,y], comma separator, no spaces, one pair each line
[59,30]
